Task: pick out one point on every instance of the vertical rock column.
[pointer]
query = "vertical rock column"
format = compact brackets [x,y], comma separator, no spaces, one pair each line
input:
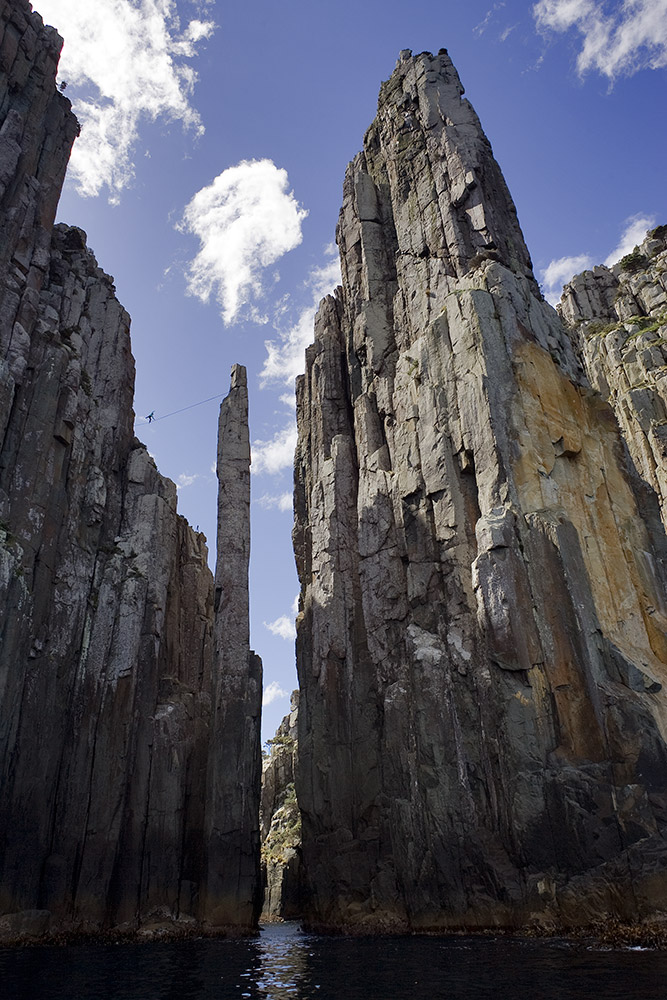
[482,641]
[233,886]
[107,667]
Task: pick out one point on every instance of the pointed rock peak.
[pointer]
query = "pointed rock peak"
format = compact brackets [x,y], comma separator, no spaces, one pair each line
[428,156]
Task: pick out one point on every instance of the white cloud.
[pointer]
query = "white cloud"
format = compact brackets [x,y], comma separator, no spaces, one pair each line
[273,692]
[285,357]
[124,62]
[278,453]
[288,399]
[634,233]
[185,480]
[560,271]
[504,35]
[245,220]
[630,37]
[480,28]
[284,626]
[283,501]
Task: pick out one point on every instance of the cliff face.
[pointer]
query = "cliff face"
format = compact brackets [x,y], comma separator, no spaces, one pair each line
[115,699]
[618,318]
[481,643]
[280,822]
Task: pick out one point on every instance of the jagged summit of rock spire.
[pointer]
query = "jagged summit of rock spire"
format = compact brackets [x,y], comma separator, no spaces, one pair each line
[239,377]
[459,208]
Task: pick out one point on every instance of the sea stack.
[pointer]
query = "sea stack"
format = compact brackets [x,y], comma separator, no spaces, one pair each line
[482,631]
[119,688]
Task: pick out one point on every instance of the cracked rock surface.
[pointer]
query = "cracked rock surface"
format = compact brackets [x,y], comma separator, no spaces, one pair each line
[618,319]
[481,641]
[118,697]
[280,823]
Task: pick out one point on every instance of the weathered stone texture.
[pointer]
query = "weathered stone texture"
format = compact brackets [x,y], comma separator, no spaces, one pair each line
[233,888]
[112,670]
[481,642]
[280,822]
[618,320]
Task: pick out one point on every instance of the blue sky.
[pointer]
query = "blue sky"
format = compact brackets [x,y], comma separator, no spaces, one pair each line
[209,173]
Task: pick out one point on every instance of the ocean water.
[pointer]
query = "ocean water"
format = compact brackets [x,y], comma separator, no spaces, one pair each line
[285,964]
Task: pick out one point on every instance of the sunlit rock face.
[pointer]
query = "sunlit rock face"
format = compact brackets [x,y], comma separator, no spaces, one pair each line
[618,319]
[117,700]
[481,641]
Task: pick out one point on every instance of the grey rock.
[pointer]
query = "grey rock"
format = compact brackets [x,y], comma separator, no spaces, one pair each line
[618,322]
[121,691]
[482,632]
[280,823]
[233,886]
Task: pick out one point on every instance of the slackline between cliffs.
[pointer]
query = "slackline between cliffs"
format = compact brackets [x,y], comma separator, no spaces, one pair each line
[153,420]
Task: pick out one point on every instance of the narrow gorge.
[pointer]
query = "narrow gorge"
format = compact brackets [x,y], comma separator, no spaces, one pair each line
[479,736]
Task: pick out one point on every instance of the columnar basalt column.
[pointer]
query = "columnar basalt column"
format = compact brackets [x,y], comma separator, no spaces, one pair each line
[481,642]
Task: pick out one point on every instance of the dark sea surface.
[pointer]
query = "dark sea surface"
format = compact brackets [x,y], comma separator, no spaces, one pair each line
[285,964]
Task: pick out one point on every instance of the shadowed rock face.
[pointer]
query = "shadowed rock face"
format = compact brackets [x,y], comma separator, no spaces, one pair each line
[119,697]
[481,642]
[280,823]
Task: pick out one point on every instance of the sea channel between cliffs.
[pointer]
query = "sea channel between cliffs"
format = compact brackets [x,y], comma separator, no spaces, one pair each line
[479,737]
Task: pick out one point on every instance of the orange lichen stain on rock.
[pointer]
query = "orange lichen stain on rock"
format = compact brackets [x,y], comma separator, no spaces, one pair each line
[567,464]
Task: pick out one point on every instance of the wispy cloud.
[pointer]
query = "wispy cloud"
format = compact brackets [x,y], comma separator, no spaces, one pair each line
[245,221]
[630,36]
[273,692]
[634,233]
[283,501]
[276,454]
[480,28]
[285,356]
[124,62]
[559,272]
[284,626]
[185,480]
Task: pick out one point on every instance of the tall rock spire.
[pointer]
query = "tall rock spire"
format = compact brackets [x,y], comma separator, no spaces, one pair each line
[482,639]
[233,888]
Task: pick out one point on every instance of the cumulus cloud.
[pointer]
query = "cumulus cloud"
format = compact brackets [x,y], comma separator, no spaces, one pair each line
[284,626]
[560,271]
[125,62]
[273,692]
[245,221]
[285,356]
[283,501]
[617,40]
[634,233]
[276,454]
